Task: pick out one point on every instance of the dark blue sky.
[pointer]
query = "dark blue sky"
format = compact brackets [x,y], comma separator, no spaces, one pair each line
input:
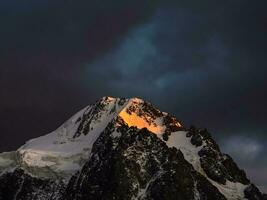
[203,61]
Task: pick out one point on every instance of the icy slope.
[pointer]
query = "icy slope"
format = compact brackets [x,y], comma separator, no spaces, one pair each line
[63,151]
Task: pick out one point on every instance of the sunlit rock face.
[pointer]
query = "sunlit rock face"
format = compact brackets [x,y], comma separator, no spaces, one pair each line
[121,148]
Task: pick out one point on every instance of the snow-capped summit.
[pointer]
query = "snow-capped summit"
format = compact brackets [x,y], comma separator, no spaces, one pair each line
[120,148]
[65,150]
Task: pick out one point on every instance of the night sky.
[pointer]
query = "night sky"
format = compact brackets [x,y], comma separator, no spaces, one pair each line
[203,61]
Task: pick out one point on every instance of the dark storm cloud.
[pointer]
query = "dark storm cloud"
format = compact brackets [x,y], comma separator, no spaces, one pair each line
[185,57]
[250,153]
[42,47]
[207,69]
[203,61]
[80,27]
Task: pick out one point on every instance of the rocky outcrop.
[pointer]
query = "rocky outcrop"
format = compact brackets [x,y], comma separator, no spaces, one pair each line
[135,163]
[19,185]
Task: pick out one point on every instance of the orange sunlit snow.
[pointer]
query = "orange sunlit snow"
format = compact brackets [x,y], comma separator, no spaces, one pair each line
[134,120]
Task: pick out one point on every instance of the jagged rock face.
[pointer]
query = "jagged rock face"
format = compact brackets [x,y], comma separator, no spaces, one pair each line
[218,166]
[21,186]
[94,113]
[123,149]
[253,193]
[135,164]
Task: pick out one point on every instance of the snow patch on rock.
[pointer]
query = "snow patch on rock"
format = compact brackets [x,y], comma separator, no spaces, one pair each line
[231,190]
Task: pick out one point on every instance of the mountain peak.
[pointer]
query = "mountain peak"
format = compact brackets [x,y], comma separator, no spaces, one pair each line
[152,146]
[133,111]
[75,138]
